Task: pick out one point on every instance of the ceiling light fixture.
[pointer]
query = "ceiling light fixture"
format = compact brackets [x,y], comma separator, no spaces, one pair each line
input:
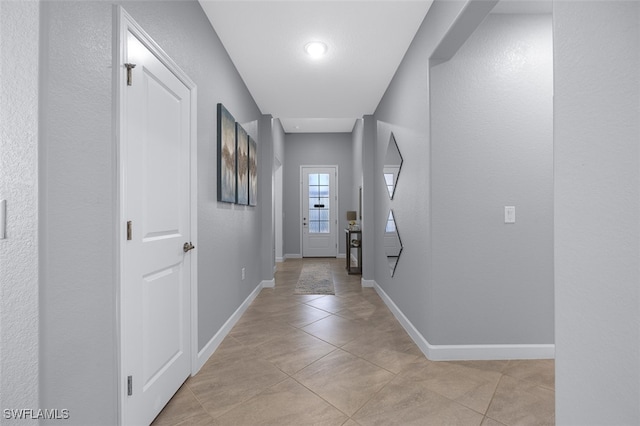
[316,49]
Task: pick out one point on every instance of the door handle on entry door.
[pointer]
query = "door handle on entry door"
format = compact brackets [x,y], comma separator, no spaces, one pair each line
[188,246]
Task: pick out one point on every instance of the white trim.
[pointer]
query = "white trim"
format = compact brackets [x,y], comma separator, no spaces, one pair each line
[268,283]
[124,23]
[211,346]
[292,256]
[465,352]
[280,260]
[342,256]
[491,352]
[337,205]
[368,284]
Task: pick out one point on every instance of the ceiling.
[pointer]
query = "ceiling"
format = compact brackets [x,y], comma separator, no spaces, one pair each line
[366,42]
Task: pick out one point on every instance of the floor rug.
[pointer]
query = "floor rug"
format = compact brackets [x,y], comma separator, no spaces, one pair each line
[315,278]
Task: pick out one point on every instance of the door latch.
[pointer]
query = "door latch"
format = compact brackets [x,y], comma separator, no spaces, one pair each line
[188,246]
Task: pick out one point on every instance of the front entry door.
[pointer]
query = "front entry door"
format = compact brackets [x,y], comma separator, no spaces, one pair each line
[156,205]
[319,207]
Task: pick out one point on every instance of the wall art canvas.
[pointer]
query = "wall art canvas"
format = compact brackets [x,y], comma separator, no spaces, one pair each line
[242,155]
[226,156]
[253,172]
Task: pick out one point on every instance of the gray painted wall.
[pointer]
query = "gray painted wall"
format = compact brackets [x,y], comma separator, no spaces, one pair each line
[315,149]
[278,140]
[78,354]
[404,109]
[453,282]
[79,293]
[492,146]
[266,240]
[597,212]
[278,191]
[368,197]
[357,136]
[19,49]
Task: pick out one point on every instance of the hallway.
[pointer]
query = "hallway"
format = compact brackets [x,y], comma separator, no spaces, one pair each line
[345,360]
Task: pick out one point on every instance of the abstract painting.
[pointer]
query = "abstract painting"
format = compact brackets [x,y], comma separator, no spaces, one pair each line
[226,156]
[253,172]
[242,154]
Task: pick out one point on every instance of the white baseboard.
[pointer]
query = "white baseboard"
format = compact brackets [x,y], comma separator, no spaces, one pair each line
[292,256]
[465,352]
[341,256]
[280,259]
[368,283]
[491,352]
[212,345]
[268,283]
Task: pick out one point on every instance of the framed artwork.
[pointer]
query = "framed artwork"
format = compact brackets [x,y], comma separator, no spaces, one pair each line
[242,155]
[226,156]
[253,172]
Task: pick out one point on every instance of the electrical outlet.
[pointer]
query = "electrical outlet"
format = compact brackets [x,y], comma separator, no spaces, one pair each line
[242,273]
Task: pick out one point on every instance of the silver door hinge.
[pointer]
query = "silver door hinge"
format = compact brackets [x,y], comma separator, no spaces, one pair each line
[129,76]
[129,385]
[129,230]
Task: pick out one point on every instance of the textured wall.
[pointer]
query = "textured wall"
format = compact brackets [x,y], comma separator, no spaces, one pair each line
[278,193]
[227,233]
[19,32]
[404,110]
[597,212]
[310,149]
[356,169]
[265,209]
[79,293]
[492,146]
[451,264]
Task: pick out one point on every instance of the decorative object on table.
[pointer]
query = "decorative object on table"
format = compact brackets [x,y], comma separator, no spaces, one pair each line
[315,278]
[392,165]
[352,218]
[226,156]
[253,172]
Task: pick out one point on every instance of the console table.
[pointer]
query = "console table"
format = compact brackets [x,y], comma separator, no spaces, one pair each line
[354,251]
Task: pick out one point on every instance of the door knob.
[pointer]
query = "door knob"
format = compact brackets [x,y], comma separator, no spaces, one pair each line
[188,246]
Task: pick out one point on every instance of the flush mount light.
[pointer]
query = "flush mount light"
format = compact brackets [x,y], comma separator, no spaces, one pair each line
[315,49]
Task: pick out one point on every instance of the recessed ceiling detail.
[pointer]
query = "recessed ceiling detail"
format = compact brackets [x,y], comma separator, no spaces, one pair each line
[366,42]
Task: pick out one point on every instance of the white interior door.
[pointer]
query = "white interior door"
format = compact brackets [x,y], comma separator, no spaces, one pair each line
[319,211]
[156,267]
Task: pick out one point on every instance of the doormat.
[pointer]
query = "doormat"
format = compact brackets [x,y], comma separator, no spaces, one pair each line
[315,278]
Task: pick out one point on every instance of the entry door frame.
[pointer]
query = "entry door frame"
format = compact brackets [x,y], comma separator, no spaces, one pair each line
[337,206]
[123,24]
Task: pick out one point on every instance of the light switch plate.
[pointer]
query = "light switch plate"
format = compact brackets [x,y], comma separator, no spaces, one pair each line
[509,214]
[3,219]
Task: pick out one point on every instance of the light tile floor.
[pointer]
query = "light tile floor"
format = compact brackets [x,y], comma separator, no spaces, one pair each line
[345,360]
